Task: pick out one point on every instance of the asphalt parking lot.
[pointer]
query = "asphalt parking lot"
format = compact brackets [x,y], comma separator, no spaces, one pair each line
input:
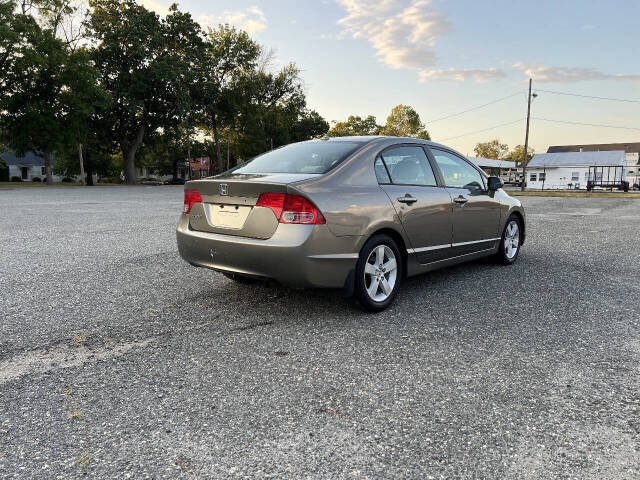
[119,360]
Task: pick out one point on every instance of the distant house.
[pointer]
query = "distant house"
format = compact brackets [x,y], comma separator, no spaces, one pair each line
[504,169]
[570,170]
[197,168]
[27,167]
[631,150]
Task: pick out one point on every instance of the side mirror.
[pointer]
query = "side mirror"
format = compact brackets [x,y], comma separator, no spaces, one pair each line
[494,183]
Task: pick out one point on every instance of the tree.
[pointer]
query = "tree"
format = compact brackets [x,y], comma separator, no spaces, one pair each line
[404,121]
[227,53]
[146,65]
[491,149]
[308,124]
[517,154]
[355,125]
[32,113]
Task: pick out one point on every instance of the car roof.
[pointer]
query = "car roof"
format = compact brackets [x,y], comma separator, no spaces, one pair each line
[371,138]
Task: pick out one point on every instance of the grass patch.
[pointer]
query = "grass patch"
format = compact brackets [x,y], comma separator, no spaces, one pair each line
[79,340]
[75,414]
[551,193]
[84,460]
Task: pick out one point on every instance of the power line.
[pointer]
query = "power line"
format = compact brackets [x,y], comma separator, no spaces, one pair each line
[474,108]
[586,124]
[483,130]
[589,96]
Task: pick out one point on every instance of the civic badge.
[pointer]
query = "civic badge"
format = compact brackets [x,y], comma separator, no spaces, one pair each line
[224,189]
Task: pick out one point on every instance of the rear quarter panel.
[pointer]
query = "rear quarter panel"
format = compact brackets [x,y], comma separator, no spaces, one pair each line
[350,198]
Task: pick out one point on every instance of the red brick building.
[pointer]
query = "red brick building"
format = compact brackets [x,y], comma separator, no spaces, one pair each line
[199,168]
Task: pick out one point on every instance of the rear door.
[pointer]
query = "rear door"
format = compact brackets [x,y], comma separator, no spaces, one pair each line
[476,213]
[425,208]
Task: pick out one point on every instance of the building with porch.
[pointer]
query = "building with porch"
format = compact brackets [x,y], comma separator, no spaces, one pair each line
[630,149]
[27,167]
[572,170]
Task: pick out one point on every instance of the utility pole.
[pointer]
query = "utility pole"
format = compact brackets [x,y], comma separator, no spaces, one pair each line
[526,140]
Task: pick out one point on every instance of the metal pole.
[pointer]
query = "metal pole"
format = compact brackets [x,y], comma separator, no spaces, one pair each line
[526,140]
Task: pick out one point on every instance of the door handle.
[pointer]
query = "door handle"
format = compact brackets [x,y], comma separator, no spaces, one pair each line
[408,199]
[460,200]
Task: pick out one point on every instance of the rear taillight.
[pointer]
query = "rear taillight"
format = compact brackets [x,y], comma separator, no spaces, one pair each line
[290,208]
[190,197]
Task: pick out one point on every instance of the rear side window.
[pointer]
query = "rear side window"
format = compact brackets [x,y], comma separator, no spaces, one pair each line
[456,172]
[381,172]
[409,166]
[315,156]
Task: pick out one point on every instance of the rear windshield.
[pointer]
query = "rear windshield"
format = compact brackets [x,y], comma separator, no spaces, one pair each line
[303,157]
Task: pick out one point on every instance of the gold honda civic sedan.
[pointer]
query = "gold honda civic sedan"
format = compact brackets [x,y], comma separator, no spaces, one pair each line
[355,213]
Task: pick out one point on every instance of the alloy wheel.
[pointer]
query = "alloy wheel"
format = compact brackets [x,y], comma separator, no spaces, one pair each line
[380,273]
[511,239]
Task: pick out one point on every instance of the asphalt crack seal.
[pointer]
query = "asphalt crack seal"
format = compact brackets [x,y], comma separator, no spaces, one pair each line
[59,357]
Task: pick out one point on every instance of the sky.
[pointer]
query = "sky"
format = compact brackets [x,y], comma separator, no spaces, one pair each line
[442,57]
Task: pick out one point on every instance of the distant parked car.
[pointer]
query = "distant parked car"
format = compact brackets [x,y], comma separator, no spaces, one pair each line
[149,181]
[175,181]
[357,213]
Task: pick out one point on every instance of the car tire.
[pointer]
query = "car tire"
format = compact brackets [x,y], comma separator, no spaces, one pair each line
[241,279]
[379,273]
[510,241]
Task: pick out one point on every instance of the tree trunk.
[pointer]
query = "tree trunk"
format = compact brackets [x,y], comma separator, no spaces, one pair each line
[89,174]
[216,139]
[82,178]
[47,166]
[129,156]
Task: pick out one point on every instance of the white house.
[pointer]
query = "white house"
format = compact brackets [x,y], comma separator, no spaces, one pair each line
[632,150]
[506,170]
[570,170]
[28,167]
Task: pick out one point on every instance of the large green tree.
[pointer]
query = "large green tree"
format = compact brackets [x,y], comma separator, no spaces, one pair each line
[491,149]
[146,65]
[355,125]
[404,121]
[229,53]
[32,110]
[517,154]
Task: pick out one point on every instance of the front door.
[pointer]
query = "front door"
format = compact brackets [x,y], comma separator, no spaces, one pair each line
[476,213]
[25,173]
[424,208]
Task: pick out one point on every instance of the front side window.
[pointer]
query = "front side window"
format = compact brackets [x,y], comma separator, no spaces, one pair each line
[409,166]
[575,176]
[533,177]
[542,177]
[456,172]
[314,156]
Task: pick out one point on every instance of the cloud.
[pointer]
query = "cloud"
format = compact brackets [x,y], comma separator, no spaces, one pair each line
[252,20]
[156,6]
[548,74]
[403,34]
[460,75]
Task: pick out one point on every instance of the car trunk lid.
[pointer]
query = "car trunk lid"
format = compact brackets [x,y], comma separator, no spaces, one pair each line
[228,204]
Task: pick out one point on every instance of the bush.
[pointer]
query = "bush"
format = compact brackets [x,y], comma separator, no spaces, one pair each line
[67,180]
[36,179]
[16,179]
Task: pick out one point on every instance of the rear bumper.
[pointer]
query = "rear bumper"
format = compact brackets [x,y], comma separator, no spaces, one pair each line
[299,256]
